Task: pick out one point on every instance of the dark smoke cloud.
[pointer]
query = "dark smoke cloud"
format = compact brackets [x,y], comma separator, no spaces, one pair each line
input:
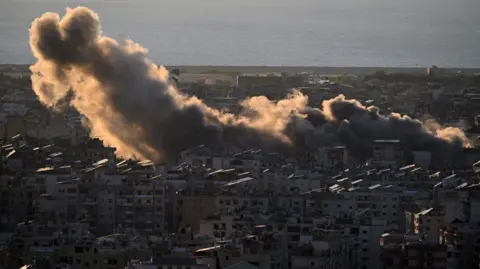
[361,125]
[129,103]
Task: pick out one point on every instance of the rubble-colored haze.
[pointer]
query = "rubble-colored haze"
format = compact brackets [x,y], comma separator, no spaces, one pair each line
[128,102]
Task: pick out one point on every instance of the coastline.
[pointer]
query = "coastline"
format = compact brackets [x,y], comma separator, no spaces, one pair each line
[326,70]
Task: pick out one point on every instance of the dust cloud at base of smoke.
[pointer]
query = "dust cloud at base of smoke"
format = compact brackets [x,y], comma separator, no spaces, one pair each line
[128,102]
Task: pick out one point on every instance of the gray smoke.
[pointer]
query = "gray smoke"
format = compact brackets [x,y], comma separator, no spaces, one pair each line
[130,105]
[360,125]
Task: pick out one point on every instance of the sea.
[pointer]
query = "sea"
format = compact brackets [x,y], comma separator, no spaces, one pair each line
[364,33]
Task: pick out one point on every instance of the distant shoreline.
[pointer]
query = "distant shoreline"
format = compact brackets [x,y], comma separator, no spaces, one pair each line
[289,69]
[319,69]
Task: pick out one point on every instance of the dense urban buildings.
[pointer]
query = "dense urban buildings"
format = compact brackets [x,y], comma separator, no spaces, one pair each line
[67,201]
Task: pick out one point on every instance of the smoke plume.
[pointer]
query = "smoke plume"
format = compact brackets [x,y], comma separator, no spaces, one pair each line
[129,103]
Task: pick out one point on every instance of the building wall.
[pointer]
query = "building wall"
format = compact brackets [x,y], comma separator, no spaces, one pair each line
[387,154]
[222,226]
[191,209]
[429,226]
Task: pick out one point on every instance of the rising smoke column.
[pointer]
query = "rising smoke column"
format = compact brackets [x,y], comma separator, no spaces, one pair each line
[129,103]
[127,99]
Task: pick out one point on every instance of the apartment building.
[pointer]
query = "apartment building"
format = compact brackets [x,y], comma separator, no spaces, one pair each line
[387,153]
[411,252]
[327,250]
[428,223]
[224,226]
[111,252]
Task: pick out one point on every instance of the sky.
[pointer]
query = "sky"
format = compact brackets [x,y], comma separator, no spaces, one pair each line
[179,30]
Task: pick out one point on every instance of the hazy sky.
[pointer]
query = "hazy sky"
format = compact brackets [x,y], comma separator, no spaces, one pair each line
[253,9]
[341,29]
